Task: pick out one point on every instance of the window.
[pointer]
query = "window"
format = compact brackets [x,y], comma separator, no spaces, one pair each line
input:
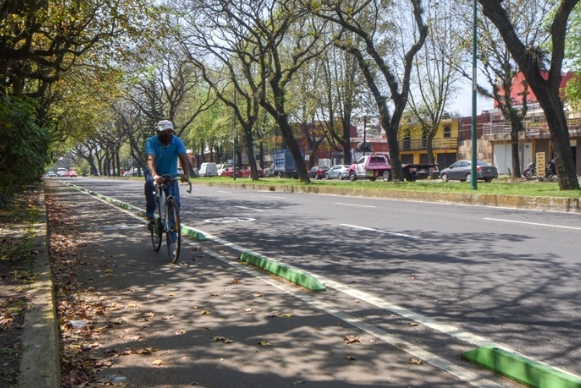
[447,131]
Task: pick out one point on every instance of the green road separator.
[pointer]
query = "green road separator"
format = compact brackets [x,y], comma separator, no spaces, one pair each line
[520,368]
[284,271]
[193,233]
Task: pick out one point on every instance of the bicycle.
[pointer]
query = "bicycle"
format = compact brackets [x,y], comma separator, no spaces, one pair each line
[168,219]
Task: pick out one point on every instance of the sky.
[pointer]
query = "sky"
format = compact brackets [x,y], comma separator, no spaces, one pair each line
[463,102]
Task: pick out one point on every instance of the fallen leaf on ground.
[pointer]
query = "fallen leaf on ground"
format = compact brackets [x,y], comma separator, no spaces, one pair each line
[236,281]
[351,358]
[178,332]
[158,362]
[248,310]
[287,315]
[167,317]
[351,339]
[264,343]
[204,312]
[416,361]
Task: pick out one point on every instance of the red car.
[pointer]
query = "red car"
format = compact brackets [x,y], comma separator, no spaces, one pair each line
[229,172]
[247,172]
[318,172]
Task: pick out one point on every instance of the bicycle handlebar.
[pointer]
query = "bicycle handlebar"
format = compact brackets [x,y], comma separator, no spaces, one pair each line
[168,180]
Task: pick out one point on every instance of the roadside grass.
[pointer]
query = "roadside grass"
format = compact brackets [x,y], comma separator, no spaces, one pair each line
[501,186]
[17,233]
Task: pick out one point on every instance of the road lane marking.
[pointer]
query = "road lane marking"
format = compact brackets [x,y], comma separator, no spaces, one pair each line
[353,204]
[272,196]
[439,362]
[249,208]
[532,223]
[223,192]
[379,231]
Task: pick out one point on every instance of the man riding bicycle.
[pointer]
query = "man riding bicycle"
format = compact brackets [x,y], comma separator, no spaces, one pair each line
[163,151]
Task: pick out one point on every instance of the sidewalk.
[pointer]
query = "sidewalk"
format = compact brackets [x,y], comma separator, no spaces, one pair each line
[208,321]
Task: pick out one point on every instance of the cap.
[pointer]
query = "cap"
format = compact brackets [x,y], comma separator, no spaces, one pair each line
[164,124]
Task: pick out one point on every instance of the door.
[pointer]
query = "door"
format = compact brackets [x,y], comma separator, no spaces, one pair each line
[502,157]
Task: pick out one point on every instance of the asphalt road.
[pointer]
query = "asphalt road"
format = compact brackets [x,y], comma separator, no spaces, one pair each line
[481,274]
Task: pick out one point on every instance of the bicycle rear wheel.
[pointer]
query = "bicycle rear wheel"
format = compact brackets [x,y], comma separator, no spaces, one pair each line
[174,231]
[157,231]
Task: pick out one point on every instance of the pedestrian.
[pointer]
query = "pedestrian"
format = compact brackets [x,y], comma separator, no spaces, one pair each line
[163,151]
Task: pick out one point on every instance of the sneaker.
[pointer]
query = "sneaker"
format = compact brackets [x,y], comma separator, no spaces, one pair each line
[150,224]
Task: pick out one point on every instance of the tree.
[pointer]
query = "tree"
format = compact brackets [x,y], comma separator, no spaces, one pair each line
[374,22]
[435,71]
[546,90]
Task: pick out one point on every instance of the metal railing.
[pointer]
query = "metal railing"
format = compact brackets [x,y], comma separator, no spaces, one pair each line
[421,144]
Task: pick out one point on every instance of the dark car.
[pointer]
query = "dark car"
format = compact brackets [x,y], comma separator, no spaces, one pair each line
[318,172]
[462,171]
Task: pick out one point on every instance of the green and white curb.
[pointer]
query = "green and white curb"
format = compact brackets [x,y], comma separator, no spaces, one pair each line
[520,368]
[284,271]
[287,272]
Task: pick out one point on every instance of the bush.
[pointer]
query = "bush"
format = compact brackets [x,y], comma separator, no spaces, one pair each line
[24,150]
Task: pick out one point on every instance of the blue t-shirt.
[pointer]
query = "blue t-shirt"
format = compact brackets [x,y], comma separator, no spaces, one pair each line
[166,157]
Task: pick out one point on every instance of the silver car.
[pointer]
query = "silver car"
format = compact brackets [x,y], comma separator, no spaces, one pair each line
[339,171]
[462,171]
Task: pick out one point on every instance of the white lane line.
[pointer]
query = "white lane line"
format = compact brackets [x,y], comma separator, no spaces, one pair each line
[378,230]
[410,348]
[532,223]
[272,196]
[353,204]
[223,192]
[249,208]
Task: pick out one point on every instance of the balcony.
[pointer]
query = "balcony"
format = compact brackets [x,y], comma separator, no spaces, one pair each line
[421,144]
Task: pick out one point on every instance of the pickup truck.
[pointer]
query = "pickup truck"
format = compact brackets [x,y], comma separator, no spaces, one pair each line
[371,167]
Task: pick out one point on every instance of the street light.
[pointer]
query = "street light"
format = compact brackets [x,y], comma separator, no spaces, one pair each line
[473,175]
[234,137]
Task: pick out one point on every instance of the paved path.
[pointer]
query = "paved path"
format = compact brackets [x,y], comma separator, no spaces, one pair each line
[213,322]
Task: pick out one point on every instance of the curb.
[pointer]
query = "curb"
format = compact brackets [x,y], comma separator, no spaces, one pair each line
[520,368]
[40,363]
[284,271]
[562,204]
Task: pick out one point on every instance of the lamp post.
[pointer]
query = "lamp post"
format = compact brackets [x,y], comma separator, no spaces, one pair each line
[473,175]
[234,137]
[364,134]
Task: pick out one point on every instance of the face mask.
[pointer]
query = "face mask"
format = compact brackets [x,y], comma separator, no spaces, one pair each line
[165,138]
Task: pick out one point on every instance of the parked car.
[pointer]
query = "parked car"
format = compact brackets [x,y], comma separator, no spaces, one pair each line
[339,171]
[247,172]
[229,172]
[318,172]
[208,169]
[371,167]
[51,174]
[222,167]
[462,171]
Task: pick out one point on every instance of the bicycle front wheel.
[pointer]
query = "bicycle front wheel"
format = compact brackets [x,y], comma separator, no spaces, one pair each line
[174,231]
[157,231]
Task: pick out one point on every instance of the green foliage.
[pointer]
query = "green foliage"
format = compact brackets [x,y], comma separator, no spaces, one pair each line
[24,148]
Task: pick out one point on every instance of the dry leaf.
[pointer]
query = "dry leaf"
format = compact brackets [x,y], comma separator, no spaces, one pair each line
[214,294]
[204,312]
[414,324]
[131,306]
[248,310]
[416,361]
[287,315]
[351,339]
[264,343]
[257,295]
[351,358]
[171,294]
[167,317]
[236,281]
[158,362]
[178,332]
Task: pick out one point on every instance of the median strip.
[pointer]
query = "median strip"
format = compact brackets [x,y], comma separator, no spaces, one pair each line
[520,368]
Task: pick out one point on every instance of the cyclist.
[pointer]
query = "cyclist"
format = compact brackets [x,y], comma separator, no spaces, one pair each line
[163,151]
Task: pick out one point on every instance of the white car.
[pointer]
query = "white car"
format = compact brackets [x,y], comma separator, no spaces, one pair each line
[339,171]
[222,168]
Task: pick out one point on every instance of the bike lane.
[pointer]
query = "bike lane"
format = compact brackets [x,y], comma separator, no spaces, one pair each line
[213,322]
